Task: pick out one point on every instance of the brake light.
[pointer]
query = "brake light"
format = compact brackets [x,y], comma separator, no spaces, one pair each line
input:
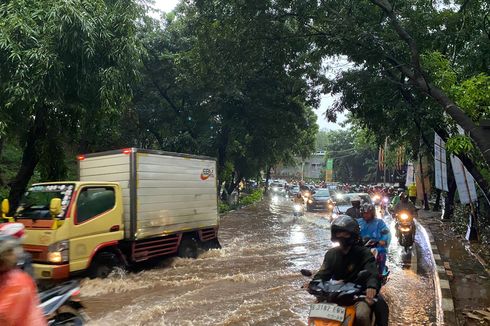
[127,151]
[80,157]
[76,293]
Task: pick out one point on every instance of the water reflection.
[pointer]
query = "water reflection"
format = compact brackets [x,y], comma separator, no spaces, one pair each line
[253,280]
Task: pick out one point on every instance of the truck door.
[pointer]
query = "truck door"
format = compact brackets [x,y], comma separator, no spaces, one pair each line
[96,223]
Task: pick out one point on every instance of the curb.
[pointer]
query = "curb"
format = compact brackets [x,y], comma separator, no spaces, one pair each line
[445,312]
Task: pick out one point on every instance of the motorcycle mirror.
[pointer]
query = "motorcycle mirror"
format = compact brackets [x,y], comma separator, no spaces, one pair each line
[306,272]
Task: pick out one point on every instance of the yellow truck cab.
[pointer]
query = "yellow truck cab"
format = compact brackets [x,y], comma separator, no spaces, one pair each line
[129,206]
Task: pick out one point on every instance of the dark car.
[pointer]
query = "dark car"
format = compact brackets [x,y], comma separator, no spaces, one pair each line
[319,200]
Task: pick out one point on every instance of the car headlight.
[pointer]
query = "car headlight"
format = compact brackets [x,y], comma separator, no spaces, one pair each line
[59,252]
[310,201]
[330,206]
[404,216]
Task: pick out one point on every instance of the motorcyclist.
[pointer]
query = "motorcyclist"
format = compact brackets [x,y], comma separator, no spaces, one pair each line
[405,205]
[347,260]
[375,229]
[412,192]
[18,300]
[355,210]
[298,199]
[396,199]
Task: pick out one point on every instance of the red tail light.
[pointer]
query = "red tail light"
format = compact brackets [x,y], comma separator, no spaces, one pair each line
[80,157]
[127,151]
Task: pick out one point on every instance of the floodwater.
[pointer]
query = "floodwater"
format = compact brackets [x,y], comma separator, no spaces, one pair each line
[253,280]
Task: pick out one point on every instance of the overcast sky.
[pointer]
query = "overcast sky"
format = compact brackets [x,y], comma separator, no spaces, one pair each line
[326,101]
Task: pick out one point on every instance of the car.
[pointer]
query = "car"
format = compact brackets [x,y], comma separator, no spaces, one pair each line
[319,200]
[293,191]
[343,201]
[277,188]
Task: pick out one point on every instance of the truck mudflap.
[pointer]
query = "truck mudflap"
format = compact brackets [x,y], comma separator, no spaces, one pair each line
[208,234]
[149,248]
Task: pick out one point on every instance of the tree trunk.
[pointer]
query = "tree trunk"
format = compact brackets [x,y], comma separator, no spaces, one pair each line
[267,178]
[449,201]
[437,204]
[30,157]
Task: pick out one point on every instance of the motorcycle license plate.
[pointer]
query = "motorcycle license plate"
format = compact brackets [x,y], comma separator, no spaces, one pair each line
[327,311]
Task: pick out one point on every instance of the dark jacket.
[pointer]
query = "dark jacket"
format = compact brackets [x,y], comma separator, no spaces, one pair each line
[353,212]
[339,266]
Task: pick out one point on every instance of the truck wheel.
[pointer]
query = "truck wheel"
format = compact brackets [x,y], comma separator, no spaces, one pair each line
[188,247]
[102,265]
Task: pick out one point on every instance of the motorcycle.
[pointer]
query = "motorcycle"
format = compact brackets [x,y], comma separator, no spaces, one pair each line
[298,210]
[376,199]
[335,300]
[385,201]
[61,305]
[405,229]
[380,256]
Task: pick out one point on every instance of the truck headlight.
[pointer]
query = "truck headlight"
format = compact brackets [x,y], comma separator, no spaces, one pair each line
[59,252]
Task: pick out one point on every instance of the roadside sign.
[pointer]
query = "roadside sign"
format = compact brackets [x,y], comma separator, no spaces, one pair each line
[440,163]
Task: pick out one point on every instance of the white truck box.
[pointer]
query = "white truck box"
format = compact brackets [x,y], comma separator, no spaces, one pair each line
[163,192]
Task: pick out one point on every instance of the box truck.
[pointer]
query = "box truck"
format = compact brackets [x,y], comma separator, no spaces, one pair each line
[128,206]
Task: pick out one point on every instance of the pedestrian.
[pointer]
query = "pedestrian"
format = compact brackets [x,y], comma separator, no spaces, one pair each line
[412,192]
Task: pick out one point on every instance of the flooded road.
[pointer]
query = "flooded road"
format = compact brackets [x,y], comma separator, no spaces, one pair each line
[253,280]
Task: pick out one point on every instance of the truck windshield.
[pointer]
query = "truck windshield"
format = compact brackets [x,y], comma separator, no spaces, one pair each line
[36,200]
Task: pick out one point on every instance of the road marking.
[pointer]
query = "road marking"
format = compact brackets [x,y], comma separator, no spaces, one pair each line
[413,261]
[444,284]
[440,269]
[437,257]
[434,247]
[447,304]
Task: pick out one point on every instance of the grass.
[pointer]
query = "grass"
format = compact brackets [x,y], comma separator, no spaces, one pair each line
[245,200]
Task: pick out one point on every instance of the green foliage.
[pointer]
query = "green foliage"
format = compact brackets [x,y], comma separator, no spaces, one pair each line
[226,83]
[440,68]
[251,198]
[459,144]
[473,96]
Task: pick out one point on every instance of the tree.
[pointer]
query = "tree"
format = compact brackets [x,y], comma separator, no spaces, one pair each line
[64,67]
[220,80]
[377,35]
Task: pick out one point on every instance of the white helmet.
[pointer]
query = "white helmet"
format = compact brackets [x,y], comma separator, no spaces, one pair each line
[355,198]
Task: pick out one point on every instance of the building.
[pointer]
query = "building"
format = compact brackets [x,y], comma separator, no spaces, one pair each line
[310,168]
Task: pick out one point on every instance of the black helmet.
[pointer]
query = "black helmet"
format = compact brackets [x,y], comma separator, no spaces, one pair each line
[347,224]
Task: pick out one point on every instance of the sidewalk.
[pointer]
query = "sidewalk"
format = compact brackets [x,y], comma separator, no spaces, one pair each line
[464,282]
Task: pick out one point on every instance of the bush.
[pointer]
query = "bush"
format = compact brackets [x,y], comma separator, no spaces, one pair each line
[254,197]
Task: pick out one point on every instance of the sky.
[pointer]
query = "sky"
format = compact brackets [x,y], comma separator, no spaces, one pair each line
[326,100]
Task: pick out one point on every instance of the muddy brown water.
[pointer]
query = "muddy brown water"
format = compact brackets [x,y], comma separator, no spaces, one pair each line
[253,280]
